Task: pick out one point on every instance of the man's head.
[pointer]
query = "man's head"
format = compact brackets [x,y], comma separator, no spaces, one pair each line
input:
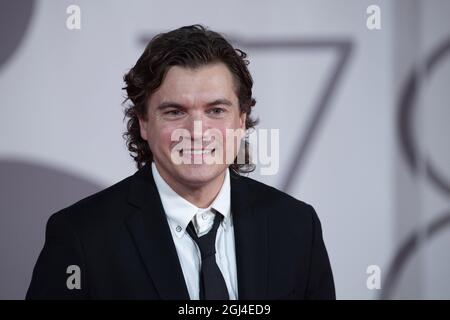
[188,79]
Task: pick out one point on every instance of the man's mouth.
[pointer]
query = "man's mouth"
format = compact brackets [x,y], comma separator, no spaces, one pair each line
[196,152]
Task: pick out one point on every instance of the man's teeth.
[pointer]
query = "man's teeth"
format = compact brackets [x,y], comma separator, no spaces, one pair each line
[196,152]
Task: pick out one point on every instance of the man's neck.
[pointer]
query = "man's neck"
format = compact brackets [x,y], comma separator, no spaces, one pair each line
[199,195]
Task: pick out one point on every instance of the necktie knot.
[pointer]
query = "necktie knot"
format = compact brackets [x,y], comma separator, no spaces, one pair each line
[207,242]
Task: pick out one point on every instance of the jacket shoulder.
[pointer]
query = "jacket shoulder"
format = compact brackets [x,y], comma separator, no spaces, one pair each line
[101,206]
[272,197]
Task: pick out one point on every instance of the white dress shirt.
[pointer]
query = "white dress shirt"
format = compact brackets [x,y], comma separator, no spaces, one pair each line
[180,212]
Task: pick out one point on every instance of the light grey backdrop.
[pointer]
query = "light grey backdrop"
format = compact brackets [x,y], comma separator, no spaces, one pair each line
[363,118]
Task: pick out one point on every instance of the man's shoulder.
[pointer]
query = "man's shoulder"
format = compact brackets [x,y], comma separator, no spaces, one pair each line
[266,195]
[106,204]
[284,211]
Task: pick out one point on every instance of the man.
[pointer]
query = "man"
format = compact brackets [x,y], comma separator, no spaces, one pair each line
[182,227]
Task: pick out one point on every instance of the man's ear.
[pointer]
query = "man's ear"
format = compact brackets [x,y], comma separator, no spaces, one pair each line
[243,119]
[143,128]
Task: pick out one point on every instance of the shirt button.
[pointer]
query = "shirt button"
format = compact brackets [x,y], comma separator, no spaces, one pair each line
[178,229]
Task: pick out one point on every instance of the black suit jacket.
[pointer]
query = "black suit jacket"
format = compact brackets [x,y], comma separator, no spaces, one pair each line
[122,243]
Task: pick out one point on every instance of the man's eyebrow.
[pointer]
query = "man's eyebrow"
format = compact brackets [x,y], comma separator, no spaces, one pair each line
[171,104]
[219,102]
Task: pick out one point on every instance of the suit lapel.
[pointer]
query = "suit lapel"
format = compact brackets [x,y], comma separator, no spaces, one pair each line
[150,231]
[250,229]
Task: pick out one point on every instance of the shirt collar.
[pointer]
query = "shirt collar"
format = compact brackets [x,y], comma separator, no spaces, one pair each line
[180,212]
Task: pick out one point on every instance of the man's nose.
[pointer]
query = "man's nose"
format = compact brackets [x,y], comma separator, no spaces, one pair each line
[197,125]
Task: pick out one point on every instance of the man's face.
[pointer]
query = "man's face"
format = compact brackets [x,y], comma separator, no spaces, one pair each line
[197,104]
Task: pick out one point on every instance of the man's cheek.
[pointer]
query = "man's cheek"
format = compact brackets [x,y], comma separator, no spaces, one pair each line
[160,140]
[165,136]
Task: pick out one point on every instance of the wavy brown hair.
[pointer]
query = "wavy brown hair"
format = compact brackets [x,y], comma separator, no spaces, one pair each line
[190,47]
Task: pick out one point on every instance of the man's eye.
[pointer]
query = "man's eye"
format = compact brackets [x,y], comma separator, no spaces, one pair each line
[216,111]
[173,112]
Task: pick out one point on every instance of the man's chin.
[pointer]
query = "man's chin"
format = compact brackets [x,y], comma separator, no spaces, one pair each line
[198,174]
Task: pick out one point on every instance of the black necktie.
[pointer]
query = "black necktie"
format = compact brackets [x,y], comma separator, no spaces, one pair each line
[212,284]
